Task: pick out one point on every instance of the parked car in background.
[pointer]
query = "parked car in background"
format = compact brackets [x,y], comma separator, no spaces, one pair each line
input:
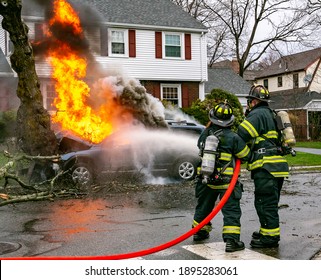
[168,153]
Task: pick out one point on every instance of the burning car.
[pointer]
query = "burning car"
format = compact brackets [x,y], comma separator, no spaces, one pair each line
[136,150]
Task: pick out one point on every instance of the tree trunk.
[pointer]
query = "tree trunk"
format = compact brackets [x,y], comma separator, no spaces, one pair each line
[34,133]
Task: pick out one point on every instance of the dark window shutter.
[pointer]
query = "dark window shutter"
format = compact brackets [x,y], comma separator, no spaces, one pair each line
[132,43]
[39,31]
[185,96]
[104,41]
[157,91]
[188,47]
[158,44]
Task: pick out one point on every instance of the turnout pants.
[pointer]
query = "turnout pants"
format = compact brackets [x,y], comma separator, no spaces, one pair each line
[266,200]
[206,198]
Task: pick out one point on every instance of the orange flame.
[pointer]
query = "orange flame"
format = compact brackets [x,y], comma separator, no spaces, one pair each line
[69,70]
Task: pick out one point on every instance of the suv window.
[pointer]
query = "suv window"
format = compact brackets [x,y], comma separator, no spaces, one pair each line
[186,127]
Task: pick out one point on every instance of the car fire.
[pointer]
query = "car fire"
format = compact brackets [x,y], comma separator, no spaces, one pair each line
[107,123]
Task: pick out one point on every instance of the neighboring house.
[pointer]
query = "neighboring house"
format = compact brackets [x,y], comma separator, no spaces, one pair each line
[155,42]
[294,82]
[8,85]
[228,80]
[249,75]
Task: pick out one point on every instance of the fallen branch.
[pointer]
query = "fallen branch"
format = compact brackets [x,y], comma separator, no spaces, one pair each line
[43,190]
[7,199]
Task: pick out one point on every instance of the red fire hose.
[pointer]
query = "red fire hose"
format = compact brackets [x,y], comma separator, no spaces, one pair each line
[162,246]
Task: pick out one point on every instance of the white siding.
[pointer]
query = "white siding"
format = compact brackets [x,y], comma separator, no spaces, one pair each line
[316,83]
[146,67]
[287,79]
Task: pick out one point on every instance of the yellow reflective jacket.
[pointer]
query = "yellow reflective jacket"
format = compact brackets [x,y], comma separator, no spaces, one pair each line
[259,131]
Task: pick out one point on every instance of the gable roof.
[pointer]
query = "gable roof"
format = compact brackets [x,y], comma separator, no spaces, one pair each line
[248,75]
[291,63]
[226,79]
[293,99]
[145,13]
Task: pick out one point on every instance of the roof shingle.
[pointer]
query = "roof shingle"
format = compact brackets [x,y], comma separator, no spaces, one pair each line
[160,13]
[226,79]
[291,63]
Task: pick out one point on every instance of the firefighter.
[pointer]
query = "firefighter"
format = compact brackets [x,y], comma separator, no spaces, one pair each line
[230,145]
[268,167]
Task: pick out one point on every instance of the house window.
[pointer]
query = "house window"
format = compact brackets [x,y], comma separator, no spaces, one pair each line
[118,42]
[266,83]
[8,45]
[280,82]
[295,80]
[173,45]
[172,93]
[50,96]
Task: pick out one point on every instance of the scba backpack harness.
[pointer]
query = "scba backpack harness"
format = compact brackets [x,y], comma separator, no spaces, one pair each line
[286,139]
[210,155]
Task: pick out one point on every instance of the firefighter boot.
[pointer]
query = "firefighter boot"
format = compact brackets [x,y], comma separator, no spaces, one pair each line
[256,235]
[257,243]
[234,245]
[201,235]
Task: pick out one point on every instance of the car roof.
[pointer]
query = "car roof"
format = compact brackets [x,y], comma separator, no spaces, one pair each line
[186,126]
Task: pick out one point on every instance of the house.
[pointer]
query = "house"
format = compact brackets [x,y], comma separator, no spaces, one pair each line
[8,84]
[294,82]
[155,42]
[248,75]
[228,80]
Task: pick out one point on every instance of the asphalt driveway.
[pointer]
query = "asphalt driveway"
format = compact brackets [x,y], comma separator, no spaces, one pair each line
[121,222]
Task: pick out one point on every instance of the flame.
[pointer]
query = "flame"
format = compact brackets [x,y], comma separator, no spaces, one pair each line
[69,70]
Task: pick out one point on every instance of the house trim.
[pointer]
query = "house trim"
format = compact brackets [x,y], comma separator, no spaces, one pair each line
[134,26]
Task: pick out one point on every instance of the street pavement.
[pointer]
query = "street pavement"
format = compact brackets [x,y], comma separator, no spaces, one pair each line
[134,221]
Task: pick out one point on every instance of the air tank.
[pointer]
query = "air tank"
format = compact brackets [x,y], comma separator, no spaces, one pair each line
[285,126]
[209,157]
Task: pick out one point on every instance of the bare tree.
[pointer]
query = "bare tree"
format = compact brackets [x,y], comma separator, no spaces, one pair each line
[218,35]
[252,27]
[314,6]
[34,134]
[195,8]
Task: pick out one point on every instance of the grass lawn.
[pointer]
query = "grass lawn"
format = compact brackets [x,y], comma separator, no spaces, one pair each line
[313,145]
[303,159]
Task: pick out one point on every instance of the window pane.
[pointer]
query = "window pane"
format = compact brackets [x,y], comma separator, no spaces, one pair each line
[295,80]
[171,94]
[172,51]
[280,82]
[118,42]
[117,37]
[172,45]
[266,83]
[118,48]
[173,40]
[51,95]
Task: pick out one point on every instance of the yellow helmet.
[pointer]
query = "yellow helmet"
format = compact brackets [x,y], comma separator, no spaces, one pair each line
[259,92]
[222,114]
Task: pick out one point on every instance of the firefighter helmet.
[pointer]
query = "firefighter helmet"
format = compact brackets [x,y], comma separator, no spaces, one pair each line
[259,92]
[222,114]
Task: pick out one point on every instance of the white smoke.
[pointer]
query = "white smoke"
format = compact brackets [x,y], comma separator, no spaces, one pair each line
[177,115]
[144,148]
[132,97]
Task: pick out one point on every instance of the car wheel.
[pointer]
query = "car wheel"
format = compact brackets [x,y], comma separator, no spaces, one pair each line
[82,175]
[185,169]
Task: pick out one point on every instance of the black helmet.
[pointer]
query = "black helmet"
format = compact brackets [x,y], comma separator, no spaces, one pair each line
[222,115]
[259,92]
